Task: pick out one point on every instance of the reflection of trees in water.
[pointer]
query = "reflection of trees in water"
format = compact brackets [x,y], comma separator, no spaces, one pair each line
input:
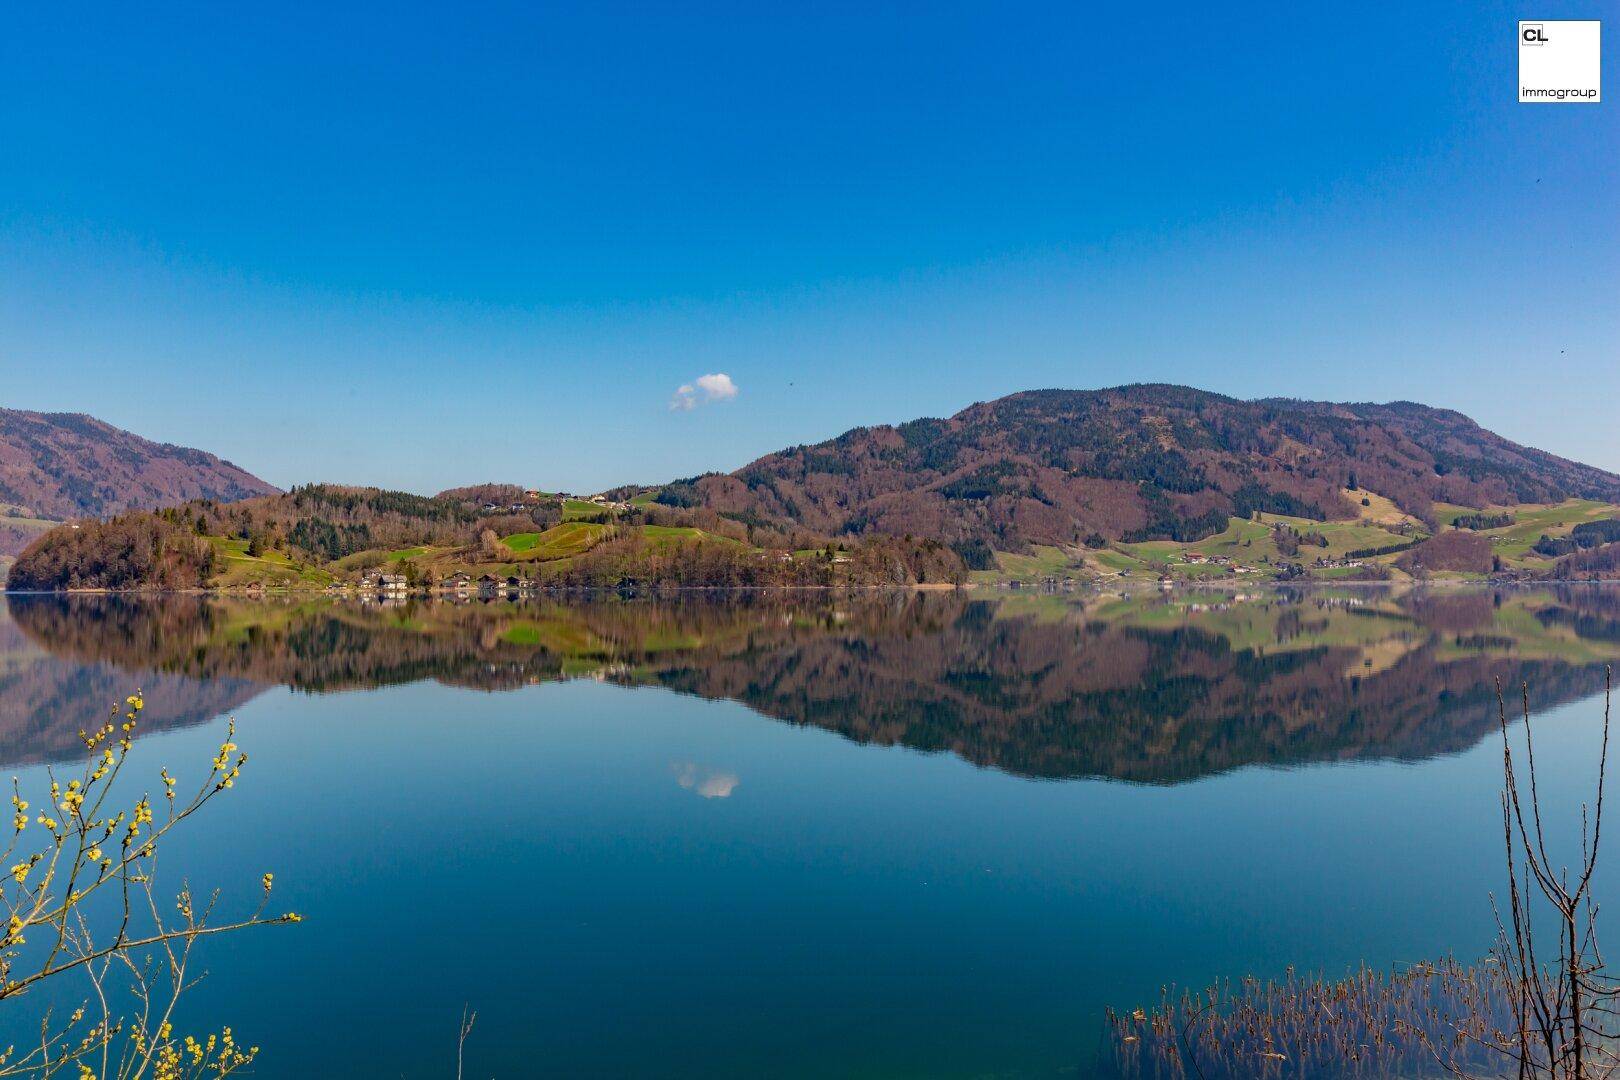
[1154,690]
[322,645]
[1123,702]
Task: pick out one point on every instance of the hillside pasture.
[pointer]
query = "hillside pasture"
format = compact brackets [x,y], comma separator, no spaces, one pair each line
[25,520]
[666,536]
[375,558]
[558,542]
[1532,521]
[582,508]
[1253,543]
[1043,561]
[1381,511]
[273,569]
[18,529]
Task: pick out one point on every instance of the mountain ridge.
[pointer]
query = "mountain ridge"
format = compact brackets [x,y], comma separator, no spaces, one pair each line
[66,465]
[1087,482]
[1145,461]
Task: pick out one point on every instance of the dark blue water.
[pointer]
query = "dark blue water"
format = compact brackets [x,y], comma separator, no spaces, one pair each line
[913,836]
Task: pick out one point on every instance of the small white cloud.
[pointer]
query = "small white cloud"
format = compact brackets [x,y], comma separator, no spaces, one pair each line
[702,390]
[717,387]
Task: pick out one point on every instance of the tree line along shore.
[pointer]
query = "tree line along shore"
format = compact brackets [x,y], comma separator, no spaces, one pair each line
[500,538]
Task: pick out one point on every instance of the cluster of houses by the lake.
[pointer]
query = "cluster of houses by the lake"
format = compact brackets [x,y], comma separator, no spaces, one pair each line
[378,584]
[1193,558]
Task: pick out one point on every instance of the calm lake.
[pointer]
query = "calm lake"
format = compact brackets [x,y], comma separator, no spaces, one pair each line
[809,835]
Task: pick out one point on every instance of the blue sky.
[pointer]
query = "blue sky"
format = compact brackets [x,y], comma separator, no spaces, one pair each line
[425,246]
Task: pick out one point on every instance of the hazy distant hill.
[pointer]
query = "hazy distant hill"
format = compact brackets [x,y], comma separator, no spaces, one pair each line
[67,465]
[1135,463]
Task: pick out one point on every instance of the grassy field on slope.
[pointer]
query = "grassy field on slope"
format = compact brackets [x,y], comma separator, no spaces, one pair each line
[272,569]
[1042,562]
[1247,543]
[374,557]
[27,522]
[558,542]
[1532,521]
[664,536]
[582,508]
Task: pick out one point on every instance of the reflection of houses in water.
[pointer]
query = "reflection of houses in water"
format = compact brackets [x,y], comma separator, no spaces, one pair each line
[511,586]
[380,583]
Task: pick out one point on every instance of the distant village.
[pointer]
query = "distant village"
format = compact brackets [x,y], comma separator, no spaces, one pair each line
[533,496]
[1193,558]
[386,586]
[377,584]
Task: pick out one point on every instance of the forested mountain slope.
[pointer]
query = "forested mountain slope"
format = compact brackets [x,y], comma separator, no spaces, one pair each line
[1132,463]
[68,465]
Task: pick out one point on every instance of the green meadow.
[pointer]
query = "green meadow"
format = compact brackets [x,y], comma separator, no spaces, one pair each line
[558,542]
[1253,543]
[272,569]
[582,508]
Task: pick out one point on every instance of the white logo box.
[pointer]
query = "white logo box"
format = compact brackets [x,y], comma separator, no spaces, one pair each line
[1561,61]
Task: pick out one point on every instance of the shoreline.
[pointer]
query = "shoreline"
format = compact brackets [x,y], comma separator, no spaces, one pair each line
[1007,588]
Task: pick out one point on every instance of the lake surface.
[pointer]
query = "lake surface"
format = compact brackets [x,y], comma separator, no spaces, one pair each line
[809,835]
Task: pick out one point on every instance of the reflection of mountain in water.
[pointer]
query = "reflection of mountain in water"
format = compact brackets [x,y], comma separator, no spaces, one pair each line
[1156,705]
[1155,688]
[47,699]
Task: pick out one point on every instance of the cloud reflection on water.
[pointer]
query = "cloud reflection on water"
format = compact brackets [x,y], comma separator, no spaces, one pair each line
[704,781]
